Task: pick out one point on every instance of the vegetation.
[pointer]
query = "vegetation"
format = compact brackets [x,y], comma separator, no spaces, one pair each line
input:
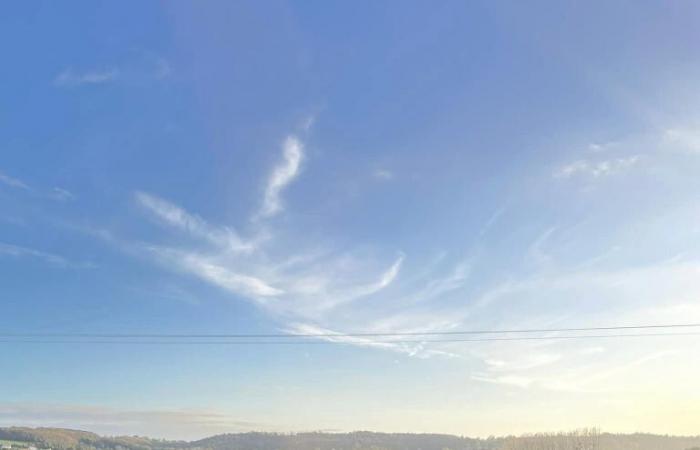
[587,439]
[13,444]
[343,441]
[64,439]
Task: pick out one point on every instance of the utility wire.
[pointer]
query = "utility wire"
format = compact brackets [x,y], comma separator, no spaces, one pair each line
[331,335]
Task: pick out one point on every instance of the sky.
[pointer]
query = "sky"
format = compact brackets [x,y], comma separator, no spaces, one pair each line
[350,167]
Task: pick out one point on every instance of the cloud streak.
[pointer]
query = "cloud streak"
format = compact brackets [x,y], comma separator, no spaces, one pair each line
[218,274]
[56,193]
[50,258]
[596,169]
[385,280]
[177,217]
[282,175]
[13,182]
[306,288]
[61,194]
[686,138]
[174,424]
[383,174]
[70,78]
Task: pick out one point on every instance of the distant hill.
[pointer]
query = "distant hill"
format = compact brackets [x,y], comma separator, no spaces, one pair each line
[65,439]
[344,441]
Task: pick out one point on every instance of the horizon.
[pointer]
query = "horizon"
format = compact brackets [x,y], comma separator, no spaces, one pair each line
[469,218]
[332,432]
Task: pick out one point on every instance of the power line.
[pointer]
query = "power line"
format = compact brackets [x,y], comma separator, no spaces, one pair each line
[339,342]
[337,335]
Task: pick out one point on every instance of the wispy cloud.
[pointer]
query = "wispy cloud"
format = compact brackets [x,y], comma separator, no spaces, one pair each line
[298,283]
[686,138]
[24,252]
[173,424]
[141,67]
[175,216]
[317,288]
[282,175]
[495,217]
[13,182]
[334,298]
[619,156]
[385,280]
[441,285]
[303,285]
[537,249]
[218,274]
[71,78]
[55,193]
[586,379]
[383,174]
[415,349]
[61,194]
[596,168]
[601,147]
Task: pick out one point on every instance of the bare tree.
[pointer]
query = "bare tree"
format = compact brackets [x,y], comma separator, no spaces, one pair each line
[583,439]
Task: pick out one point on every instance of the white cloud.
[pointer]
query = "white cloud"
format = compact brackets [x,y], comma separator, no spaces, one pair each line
[297,284]
[311,283]
[304,285]
[208,269]
[495,217]
[334,336]
[173,215]
[599,147]
[687,139]
[383,174]
[282,175]
[385,280]
[335,297]
[438,286]
[596,169]
[24,252]
[235,282]
[61,194]
[70,78]
[13,182]
[597,378]
[415,349]
[55,193]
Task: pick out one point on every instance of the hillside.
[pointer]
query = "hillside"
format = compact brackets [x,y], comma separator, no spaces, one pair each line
[61,438]
[65,439]
[344,441]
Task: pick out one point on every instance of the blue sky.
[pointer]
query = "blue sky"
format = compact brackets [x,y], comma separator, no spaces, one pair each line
[239,167]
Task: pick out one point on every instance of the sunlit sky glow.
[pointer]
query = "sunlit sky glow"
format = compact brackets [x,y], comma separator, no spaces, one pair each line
[270,167]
